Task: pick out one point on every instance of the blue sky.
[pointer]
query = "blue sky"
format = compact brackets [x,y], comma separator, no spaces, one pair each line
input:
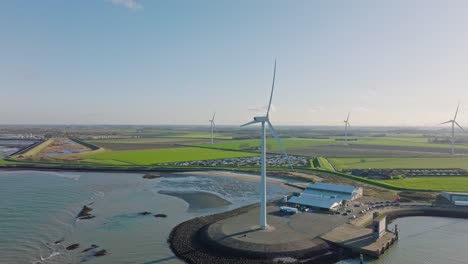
[175,62]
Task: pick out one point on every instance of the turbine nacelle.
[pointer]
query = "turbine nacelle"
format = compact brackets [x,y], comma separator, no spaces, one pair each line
[261,119]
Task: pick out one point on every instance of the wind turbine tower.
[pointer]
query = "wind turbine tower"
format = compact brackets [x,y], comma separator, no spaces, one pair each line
[265,120]
[346,125]
[454,122]
[212,125]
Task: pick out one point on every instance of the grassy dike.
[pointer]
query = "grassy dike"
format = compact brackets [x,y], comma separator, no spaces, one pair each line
[421,185]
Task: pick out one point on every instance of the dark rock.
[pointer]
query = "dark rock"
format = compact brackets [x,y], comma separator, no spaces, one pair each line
[72,246]
[100,253]
[87,217]
[151,176]
[84,212]
[59,241]
[90,248]
[144,213]
[160,215]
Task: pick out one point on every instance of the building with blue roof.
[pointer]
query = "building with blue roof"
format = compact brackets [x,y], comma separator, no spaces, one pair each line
[326,196]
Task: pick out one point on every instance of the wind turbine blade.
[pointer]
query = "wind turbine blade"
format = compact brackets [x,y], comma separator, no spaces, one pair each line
[444,122]
[456,112]
[275,135]
[349,124]
[272,89]
[348,116]
[460,126]
[249,123]
[212,119]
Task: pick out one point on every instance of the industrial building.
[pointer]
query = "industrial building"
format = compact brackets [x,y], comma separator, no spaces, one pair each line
[456,198]
[326,196]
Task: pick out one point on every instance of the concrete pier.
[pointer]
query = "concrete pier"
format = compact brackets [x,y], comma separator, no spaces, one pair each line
[359,240]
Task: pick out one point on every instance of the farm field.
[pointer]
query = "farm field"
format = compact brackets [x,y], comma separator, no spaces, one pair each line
[400,163]
[150,157]
[203,135]
[145,143]
[432,183]
[402,141]
[249,144]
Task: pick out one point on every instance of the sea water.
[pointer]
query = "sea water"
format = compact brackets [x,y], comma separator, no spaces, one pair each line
[38,209]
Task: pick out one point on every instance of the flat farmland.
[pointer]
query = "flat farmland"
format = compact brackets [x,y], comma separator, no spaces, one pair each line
[254,144]
[145,143]
[151,157]
[432,183]
[399,163]
[360,150]
[403,141]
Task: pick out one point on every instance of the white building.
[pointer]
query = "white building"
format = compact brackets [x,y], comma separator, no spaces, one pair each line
[326,196]
[456,198]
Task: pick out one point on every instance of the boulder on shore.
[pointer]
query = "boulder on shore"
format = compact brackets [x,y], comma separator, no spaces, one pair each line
[72,246]
[90,248]
[100,253]
[144,213]
[160,215]
[85,213]
[151,176]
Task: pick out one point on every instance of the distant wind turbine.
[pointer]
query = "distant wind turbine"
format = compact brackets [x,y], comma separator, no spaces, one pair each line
[346,125]
[212,126]
[263,120]
[454,121]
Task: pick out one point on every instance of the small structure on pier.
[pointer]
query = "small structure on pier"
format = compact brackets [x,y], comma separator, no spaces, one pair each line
[379,225]
[460,199]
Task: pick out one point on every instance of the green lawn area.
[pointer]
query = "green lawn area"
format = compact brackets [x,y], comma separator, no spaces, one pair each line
[3,162]
[246,144]
[432,183]
[139,140]
[402,141]
[149,157]
[324,164]
[399,163]
[203,135]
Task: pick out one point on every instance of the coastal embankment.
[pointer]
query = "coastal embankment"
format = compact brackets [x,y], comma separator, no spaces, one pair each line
[208,239]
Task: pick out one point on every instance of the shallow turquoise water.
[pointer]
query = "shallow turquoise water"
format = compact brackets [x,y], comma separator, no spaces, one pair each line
[39,208]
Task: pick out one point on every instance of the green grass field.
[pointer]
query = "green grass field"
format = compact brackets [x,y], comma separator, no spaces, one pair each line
[324,164]
[432,183]
[402,141]
[203,135]
[400,163]
[246,144]
[149,157]
[139,140]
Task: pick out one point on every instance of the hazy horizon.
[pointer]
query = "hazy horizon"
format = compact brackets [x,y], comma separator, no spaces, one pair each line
[141,62]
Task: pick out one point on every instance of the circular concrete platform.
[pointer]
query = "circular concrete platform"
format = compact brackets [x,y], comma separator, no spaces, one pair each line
[286,236]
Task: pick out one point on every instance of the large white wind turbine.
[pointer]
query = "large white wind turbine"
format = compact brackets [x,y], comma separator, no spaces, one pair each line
[346,125]
[212,125]
[454,122]
[263,120]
